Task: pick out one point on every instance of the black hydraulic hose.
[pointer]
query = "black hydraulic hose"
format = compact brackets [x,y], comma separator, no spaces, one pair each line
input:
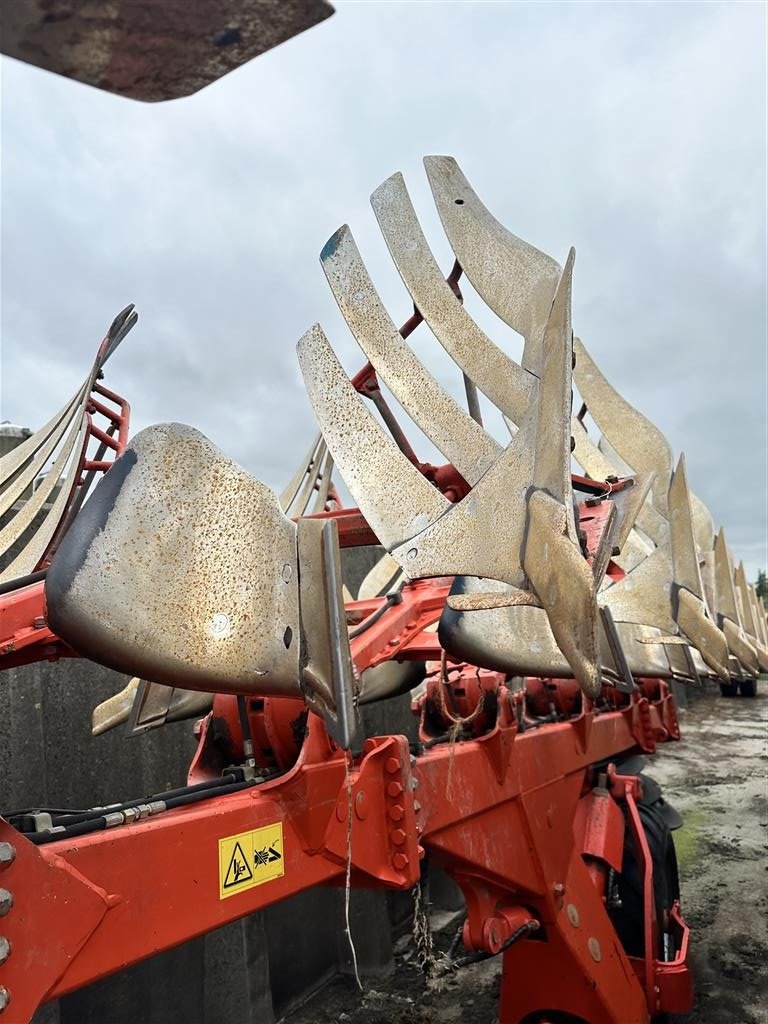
[395,597]
[101,823]
[199,787]
[23,581]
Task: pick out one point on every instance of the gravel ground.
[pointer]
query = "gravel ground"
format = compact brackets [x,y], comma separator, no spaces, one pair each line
[716,777]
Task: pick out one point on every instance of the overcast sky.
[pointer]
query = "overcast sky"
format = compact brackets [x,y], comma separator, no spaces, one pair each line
[635,132]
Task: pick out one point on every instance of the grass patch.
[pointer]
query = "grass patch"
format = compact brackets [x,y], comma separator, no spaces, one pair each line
[687,839]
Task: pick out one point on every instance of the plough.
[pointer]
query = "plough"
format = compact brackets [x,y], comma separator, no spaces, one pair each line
[537,617]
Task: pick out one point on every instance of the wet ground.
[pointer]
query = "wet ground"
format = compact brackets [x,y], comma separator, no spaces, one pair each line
[717,777]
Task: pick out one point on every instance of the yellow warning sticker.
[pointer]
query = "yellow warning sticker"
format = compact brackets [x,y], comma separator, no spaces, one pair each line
[250,858]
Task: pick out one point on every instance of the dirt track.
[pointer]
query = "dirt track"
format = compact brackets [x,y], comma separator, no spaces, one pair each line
[717,778]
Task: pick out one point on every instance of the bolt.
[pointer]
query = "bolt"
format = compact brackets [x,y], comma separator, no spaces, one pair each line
[394,789]
[394,641]
[392,765]
[5,949]
[6,902]
[398,837]
[7,854]
[559,889]
[594,950]
[5,997]
[361,806]
[39,623]
[573,915]
[400,861]
[396,812]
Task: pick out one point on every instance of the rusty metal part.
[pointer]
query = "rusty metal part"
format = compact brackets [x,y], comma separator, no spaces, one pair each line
[596,463]
[509,597]
[565,585]
[515,279]
[708,640]
[384,575]
[463,441]
[703,524]
[727,604]
[472,537]
[327,676]
[150,51]
[181,569]
[739,645]
[155,704]
[500,378]
[115,710]
[394,497]
[634,437]
[552,465]
[685,559]
[749,617]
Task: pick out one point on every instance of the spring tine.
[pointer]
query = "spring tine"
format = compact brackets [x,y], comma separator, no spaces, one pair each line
[393,496]
[454,432]
[516,280]
[634,437]
[501,379]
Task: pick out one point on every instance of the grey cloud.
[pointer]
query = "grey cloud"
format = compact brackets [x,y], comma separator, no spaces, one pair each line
[634,132]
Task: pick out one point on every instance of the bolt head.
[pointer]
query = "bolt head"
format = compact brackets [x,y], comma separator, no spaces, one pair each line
[5,949]
[6,902]
[399,837]
[5,997]
[400,861]
[394,789]
[392,765]
[573,915]
[7,854]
